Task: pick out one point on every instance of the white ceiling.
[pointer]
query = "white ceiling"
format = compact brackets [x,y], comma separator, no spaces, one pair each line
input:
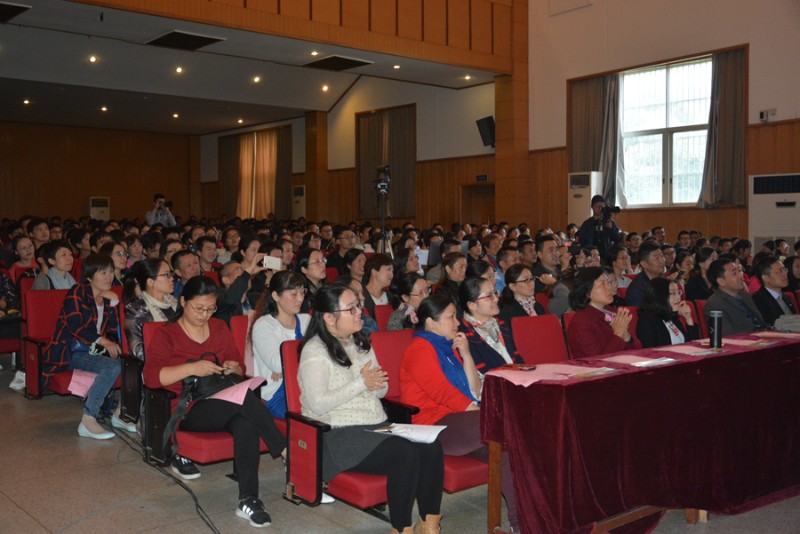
[44,58]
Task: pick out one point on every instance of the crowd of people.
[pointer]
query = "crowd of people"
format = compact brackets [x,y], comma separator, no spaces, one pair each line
[458,288]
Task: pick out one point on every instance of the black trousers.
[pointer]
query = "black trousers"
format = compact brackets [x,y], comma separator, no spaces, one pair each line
[246,423]
[414,470]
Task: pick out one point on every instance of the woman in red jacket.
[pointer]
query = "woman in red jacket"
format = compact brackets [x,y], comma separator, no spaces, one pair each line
[438,375]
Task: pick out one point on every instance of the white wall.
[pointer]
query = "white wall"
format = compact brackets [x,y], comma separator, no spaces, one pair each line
[617,34]
[445,118]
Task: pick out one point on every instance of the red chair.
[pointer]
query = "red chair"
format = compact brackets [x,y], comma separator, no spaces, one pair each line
[15,272]
[700,304]
[331,273]
[566,318]
[214,275]
[200,447]
[460,472]
[794,298]
[77,269]
[43,308]
[542,299]
[622,291]
[382,314]
[539,339]
[304,460]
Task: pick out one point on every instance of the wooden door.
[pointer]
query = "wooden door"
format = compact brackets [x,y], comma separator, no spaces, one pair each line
[477,204]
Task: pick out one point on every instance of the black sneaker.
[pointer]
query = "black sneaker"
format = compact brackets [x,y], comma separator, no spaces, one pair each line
[185,468]
[252,508]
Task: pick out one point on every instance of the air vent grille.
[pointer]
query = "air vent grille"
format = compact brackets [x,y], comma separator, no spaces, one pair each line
[184,40]
[776,184]
[9,11]
[337,63]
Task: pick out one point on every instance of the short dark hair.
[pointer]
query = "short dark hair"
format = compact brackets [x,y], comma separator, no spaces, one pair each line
[717,270]
[202,240]
[647,248]
[448,244]
[176,258]
[432,308]
[476,269]
[581,293]
[512,275]
[374,263]
[764,266]
[470,290]
[504,252]
[656,298]
[50,249]
[541,240]
[96,262]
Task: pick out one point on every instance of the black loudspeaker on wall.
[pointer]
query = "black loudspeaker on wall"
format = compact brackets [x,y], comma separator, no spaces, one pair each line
[486,129]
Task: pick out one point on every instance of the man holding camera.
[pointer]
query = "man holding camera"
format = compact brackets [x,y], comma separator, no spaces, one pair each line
[600,230]
[160,212]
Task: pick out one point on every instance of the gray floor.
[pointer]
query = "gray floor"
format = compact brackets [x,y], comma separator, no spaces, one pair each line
[53,481]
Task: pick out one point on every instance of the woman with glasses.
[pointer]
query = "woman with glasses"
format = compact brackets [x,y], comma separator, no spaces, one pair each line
[409,289]
[664,317]
[310,263]
[517,299]
[596,329]
[120,258]
[341,384]
[155,303]
[173,355]
[26,263]
[87,338]
[490,341]
[278,319]
[439,376]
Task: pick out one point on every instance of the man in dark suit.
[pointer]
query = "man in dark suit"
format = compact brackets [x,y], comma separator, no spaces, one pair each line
[652,262]
[739,313]
[770,300]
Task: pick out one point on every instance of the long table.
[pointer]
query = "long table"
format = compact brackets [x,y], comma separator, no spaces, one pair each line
[719,432]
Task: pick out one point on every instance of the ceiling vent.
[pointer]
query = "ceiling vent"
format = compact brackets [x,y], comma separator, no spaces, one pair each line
[184,40]
[337,63]
[9,11]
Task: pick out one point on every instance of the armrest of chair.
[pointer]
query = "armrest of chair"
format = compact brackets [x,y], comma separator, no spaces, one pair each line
[157,411]
[131,395]
[33,366]
[304,459]
[397,412]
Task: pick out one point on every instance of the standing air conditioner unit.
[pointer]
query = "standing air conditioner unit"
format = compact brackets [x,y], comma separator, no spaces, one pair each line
[582,187]
[774,208]
[298,201]
[100,208]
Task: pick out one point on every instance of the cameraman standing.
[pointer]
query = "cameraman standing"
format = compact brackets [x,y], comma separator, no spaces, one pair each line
[600,230]
[160,212]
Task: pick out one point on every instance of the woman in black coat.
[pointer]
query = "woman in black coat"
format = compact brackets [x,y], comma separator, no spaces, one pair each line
[517,299]
[662,316]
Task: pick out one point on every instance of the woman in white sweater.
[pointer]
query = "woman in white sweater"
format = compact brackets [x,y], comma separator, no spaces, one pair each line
[341,383]
[278,319]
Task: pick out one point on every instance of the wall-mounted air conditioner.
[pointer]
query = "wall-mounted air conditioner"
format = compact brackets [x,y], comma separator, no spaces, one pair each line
[298,201]
[581,188]
[773,208]
[100,208]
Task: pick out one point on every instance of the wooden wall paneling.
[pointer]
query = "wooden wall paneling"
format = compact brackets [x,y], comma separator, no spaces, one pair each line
[300,9]
[355,14]
[234,3]
[383,16]
[481,26]
[211,199]
[501,36]
[435,21]
[773,148]
[409,19]
[458,24]
[267,6]
[326,11]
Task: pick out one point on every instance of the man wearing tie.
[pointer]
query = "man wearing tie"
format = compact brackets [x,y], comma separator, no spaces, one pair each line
[739,313]
[770,300]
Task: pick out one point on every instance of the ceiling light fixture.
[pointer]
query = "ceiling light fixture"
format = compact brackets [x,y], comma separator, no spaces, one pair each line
[240,121]
[92,59]
[256,79]
[314,53]
[396,67]
[179,70]
[467,77]
[175,115]
[324,88]
[103,109]
[26,101]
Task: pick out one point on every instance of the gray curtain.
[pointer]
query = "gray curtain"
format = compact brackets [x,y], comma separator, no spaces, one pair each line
[387,137]
[283,176]
[228,150]
[723,172]
[586,117]
[610,154]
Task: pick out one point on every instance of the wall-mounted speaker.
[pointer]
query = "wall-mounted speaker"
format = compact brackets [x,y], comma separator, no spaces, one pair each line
[486,129]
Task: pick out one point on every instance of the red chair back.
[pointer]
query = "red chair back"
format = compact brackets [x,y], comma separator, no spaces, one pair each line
[566,318]
[148,331]
[16,271]
[382,314]
[539,339]
[331,273]
[43,309]
[214,275]
[240,325]
[622,291]
[290,359]
[389,348]
[25,285]
[77,269]
[542,299]
[700,304]
[794,298]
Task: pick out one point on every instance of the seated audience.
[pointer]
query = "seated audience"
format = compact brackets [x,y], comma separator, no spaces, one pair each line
[135,249]
[770,300]
[310,263]
[195,333]
[409,290]
[739,312]
[155,302]
[369,324]
[58,258]
[548,267]
[26,264]
[345,240]
[230,241]
[480,269]
[120,257]
[506,257]
[232,296]
[341,384]
[792,264]
[651,261]
[406,261]
[378,274]
[438,375]
[698,286]
[664,317]
[207,254]
[621,264]
[446,247]
[168,248]
[517,298]
[596,329]
[277,319]
[454,269]
[474,249]
[186,266]
[490,340]
[354,262]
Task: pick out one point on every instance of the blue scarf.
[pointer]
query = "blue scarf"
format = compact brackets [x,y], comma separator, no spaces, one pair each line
[451,367]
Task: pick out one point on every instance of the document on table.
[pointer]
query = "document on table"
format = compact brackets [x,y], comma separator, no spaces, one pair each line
[418,433]
[638,361]
[786,335]
[690,350]
[549,371]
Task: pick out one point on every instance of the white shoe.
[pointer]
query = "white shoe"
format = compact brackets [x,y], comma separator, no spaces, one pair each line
[326,499]
[119,423]
[86,433]
[18,384]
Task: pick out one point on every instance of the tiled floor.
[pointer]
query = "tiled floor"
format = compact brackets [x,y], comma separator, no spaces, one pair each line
[53,481]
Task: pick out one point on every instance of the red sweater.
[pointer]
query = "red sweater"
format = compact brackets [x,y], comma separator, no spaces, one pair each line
[171,346]
[423,384]
[589,334]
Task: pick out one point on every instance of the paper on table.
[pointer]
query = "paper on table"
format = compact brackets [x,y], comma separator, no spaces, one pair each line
[81,382]
[236,393]
[526,378]
[418,433]
[691,350]
[788,335]
[639,361]
[591,372]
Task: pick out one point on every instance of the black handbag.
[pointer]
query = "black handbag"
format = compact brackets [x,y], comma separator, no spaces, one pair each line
[195,388]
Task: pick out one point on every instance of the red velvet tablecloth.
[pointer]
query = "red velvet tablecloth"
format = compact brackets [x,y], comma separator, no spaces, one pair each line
[719,432]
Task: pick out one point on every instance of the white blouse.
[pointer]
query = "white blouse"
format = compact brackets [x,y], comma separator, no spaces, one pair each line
[268,334]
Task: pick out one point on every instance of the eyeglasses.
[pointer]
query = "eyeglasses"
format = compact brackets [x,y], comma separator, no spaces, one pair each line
[166,274]
[203,311]
[323,261]
[299,292]
[525,281]
[423,293]
[347,237]
[494,295]
[121,254]
[676,293]
[355,310]
[782,270]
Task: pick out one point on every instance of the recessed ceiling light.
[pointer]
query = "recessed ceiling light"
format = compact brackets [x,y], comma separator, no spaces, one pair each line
[397,67]
[92,59]
[324,88]
[103,108]
[26,101]
[314,53]
[256,79]
[179,70]
[240,121]
[467,77]
[175,115]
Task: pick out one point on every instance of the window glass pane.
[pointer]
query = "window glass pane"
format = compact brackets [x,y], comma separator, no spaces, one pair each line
[644,100]
[689,93]
[643,167]
[688,155]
